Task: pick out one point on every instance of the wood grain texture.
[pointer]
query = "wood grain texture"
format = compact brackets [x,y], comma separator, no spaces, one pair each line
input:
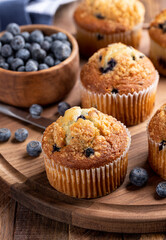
[63,20]
[22,89]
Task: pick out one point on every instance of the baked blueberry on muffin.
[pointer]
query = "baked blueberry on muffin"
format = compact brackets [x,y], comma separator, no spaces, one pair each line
[120,81]
[157,142]
[101,22]
[86,153]
[157,34]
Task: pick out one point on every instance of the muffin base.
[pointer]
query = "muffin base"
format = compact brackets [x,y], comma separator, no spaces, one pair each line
[130,109]
[157,158]
[88,183]
[90,42]
[158,57]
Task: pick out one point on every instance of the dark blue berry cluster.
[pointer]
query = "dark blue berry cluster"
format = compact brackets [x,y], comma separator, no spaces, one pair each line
[27,52]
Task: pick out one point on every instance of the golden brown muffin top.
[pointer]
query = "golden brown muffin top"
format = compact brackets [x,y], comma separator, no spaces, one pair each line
[109,16]
[118,69]
[85,138]
[157,126]
[157,29]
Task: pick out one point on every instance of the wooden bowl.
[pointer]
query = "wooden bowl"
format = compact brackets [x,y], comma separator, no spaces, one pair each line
[22,89]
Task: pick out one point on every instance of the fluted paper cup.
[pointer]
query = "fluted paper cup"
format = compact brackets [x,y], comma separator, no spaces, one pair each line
[88,183]
[90,42]
[130,109]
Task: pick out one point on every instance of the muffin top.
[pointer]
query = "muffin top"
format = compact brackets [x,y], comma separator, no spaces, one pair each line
[157,30]
[118,69]
[85,138]
[109,16]
[157,126]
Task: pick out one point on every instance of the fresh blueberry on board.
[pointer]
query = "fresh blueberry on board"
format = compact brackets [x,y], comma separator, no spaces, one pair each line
[31,66]
[16,63]
[34,148]
[43,66]
[35,110]
[161,189]
[17,42]
[62,107]
[138,176]
[6,38]
[5,134]
[21,134]
[36,36]
[23,53]
[13,28]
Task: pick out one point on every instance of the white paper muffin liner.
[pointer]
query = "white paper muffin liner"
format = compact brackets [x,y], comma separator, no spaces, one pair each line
[130,109]
[88,183]
[156,157]
[89,43]
[158,52]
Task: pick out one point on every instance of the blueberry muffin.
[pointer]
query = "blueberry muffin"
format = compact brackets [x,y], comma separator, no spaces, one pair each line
[157,32]
[157,142]
[101,22]
[86,153]
[120,81]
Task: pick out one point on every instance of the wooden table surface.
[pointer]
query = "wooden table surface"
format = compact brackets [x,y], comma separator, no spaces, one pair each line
[19,223]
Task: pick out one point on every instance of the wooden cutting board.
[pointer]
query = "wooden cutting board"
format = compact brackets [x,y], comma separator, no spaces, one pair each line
[128,209]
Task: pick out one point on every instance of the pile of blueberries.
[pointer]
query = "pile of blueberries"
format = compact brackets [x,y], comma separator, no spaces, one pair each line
[27,52]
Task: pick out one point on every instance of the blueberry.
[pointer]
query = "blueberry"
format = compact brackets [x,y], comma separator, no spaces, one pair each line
[88,152]
[17,42]
[99,37]
[36,36]
[39,54]
[35,110]
[67,43]
[81,116]
[23,53]
[114,90]
[161,189]
[35,46]
[13,28]
[59,36]
[99,16]
[48,39]
[16,63]
[27,46]
[162,144]
[2,59]
[0,46]
[45,45]
[62,107]
[10,59]
[61,51]
[25,35]
[110,66]
[7,37]
[21,134]
[57,62]
[5,134]
[55,148]
[34,148]
[6,50]
[31,66]
[43,66]
[49,61]
[21,69]
[4,65]
[138,177]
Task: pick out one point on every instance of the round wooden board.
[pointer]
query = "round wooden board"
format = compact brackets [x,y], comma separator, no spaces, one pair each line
[128,209]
